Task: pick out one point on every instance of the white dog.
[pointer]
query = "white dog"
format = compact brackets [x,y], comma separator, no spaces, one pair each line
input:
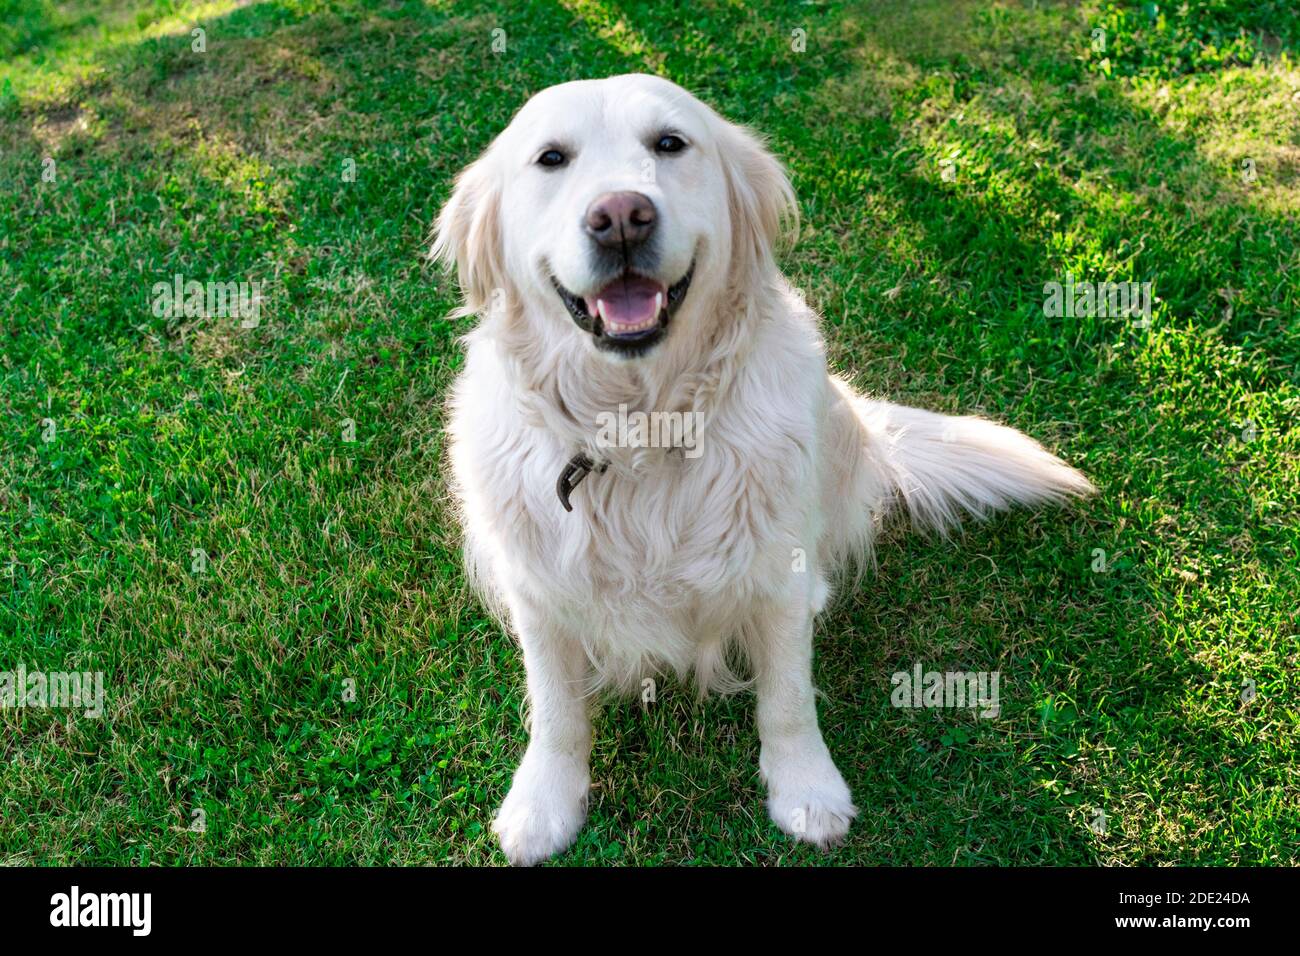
[616,241]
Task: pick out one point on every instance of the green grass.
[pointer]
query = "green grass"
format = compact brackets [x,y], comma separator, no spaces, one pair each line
[335,565]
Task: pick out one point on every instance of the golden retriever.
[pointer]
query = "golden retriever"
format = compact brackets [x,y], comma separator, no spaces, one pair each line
[655,469]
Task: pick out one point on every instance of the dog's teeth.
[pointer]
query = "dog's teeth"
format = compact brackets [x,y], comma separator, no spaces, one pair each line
[600,309]
[659,303]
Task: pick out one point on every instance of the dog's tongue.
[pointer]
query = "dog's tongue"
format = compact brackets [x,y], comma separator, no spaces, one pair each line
[627,305]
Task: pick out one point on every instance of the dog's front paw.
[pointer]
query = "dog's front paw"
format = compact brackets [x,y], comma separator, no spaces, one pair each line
[544,809]
[807,797]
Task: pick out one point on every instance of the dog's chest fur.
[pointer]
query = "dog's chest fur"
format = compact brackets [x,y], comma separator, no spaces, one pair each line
[663,555]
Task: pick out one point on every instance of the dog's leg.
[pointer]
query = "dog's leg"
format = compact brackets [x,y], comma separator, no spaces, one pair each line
[807,797]
[547,802]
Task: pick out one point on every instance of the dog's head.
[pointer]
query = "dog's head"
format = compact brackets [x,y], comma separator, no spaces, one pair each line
[615,207]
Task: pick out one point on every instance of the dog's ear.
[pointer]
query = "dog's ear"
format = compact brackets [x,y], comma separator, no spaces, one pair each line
[467,237]
[759,195]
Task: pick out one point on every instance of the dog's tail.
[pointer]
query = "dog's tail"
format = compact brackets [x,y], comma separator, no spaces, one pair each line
[940,467]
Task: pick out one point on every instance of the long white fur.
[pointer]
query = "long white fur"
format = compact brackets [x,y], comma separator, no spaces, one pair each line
[711,568]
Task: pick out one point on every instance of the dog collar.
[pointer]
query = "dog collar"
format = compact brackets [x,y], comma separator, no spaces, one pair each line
[578,468]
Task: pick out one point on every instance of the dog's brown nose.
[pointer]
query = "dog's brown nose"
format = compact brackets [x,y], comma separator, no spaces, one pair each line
[620,219]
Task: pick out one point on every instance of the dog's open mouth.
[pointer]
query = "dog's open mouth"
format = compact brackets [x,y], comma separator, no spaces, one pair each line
[629,314]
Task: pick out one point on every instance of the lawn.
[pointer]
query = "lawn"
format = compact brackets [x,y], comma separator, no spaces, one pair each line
[246,529]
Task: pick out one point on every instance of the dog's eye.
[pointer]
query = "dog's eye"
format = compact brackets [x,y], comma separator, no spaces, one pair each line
[552,157]
[670,144]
